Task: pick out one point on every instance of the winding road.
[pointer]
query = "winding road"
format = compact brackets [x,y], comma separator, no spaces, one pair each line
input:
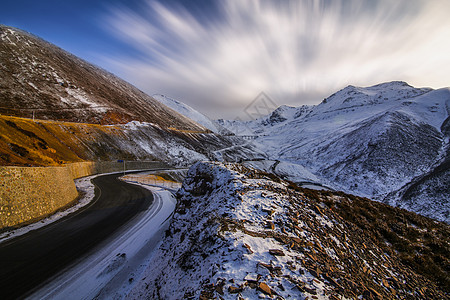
[30,261]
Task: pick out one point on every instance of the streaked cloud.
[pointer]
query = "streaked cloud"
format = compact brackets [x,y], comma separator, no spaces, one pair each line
[298,52]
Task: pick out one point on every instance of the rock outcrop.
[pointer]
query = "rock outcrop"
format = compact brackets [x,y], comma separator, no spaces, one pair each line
[322,245]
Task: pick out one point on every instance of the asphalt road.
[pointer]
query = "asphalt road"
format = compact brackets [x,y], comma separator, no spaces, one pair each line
[29,260]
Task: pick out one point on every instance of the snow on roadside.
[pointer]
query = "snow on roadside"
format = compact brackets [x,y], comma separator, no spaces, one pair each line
[84,187]
[114,269]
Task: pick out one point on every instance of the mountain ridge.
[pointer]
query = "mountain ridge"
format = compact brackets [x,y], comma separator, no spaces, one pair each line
[39,78]
[57,108]
[368,141]
[191,113]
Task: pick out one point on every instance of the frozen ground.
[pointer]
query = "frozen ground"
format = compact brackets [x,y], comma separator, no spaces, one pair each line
[238,233]
[194,255]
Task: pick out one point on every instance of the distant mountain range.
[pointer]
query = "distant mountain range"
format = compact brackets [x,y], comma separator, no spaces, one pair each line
[389,142]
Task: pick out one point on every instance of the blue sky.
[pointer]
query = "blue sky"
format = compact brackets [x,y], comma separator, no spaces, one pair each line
[73,25]
[217,56]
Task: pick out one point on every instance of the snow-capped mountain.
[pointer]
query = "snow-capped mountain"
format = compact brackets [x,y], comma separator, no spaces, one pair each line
[191,113]
[369,141]
[277,118]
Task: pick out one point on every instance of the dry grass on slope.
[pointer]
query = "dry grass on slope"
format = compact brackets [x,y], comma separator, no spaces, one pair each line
[417,245]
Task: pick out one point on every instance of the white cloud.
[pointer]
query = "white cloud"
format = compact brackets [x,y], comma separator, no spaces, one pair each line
[296,51]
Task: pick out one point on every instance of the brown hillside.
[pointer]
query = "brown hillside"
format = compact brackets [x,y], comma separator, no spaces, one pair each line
[39,78]
[24,142]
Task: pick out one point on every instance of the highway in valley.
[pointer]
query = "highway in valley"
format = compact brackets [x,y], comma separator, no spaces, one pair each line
[32,260]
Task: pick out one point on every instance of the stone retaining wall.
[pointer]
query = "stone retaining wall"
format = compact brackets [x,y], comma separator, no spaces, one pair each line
[28,194]
[81,169]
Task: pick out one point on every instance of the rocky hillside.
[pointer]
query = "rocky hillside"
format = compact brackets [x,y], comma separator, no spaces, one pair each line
[42,87]
[24,142]
[39,78]
[388,142]
[238,233]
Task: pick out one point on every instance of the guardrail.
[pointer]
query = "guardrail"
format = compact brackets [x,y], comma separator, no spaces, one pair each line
[152,180]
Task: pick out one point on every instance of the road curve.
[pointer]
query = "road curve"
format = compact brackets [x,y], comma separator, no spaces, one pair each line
[29,260]
[116,266]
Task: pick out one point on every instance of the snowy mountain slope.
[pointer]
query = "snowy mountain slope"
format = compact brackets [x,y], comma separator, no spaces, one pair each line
[368,141]
[42,85]
[39,79]
[432,186]
[278,117]
[191,113]
[379,151]
[242,234]
[284,113]
[353,97]
[285,170]
[427,195]
[24,142]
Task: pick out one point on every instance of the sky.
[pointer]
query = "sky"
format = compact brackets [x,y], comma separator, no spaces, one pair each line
[218,56]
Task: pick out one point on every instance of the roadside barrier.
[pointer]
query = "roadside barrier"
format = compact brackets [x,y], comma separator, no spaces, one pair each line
[28,194]
[154,180]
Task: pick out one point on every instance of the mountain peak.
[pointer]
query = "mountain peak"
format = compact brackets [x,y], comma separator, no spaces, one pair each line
[395,83]
[383,85]
[353,96]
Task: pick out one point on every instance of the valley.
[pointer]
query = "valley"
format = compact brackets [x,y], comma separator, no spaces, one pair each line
[348,198]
